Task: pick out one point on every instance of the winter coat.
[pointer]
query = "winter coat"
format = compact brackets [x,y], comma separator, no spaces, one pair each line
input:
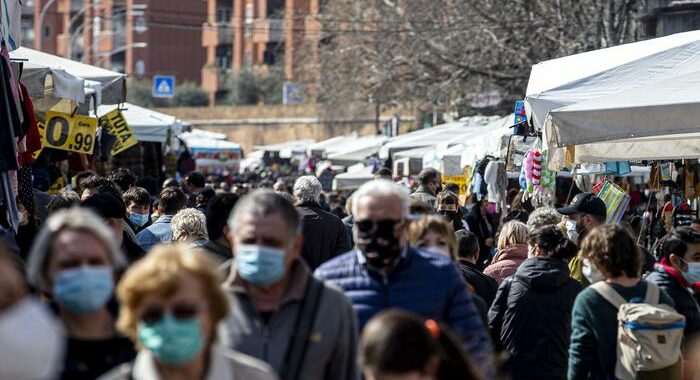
[325,235]
[531,317]
[506,262]
[424,195]
[427,284]
[332,347]
[482,229]
[685,303]
[484,286]
[224,364]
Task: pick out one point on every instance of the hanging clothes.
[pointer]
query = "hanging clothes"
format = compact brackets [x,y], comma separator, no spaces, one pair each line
[10,126]
[11,23]
[32,138]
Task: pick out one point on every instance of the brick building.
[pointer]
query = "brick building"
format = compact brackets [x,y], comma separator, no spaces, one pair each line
[141,38]
[252,34]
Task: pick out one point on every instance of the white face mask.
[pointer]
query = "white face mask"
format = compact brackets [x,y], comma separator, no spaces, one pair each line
[437,250]
[33,342]
[591,273]
[571,230]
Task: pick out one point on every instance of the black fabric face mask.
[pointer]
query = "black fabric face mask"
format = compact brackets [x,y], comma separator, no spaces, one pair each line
[448,215]
[378,243]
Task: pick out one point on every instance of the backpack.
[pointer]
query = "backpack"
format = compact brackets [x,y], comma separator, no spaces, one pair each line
[649,335]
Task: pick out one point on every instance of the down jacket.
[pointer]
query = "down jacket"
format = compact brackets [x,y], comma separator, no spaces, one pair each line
[424,283]
[531,318]
[685,303]
[506,262]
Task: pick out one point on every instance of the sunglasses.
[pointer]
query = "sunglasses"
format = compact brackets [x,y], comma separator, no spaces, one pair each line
[180,311]
[367,226]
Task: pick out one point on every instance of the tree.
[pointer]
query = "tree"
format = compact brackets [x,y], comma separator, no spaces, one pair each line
[435,53]
[187,94]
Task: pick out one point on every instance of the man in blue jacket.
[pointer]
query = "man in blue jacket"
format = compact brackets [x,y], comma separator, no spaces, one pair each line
[384,272]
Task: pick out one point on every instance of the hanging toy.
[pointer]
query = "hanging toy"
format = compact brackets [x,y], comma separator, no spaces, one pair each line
[522,181]
[528,168]
[536,168]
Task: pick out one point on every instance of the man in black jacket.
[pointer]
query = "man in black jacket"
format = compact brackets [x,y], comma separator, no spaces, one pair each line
[484,286]
[677,273]
[325,235]
[531,315]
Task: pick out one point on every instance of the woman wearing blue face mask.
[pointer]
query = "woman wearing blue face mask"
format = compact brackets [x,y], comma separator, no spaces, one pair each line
[172,303]
[72,263]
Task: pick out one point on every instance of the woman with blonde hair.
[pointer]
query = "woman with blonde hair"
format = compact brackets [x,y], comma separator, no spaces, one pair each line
[172,303]
[434,234]
[512,251]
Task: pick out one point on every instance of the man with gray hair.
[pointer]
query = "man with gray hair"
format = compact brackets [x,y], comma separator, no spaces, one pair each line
[280,313]
[384,272]
[190,226]
[429,185]
[325,235]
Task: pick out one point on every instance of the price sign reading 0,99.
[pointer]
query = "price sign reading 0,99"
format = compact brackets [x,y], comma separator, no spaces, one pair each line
[74,133]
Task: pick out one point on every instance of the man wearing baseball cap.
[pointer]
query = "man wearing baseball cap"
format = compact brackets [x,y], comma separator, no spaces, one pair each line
[585,213]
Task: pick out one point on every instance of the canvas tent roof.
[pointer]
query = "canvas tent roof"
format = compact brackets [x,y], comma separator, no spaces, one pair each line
[641,106]
[67,74]
[333,144]
[287,149]
[353,179]
[146,124]
[357,150]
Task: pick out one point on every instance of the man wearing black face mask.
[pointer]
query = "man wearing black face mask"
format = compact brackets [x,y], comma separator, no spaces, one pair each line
[430,184]
[384,272]
[448,208]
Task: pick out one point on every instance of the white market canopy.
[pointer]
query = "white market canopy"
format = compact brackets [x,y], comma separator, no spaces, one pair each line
[430,137]
[70,78]
[357,150]
[287,149]
[147,125]
[629,102]
[332,145]
[355,177]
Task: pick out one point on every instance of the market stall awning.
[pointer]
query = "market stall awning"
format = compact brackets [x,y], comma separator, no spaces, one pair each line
[563,81]
[147,125]
[354,178]
[332,145]
[430,137]
[110,86]
[287,149]
[358,150]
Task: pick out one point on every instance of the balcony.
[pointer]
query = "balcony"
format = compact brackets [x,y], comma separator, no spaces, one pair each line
[268,30]
[217,34]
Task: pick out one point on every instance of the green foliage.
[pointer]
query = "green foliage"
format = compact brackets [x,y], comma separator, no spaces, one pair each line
[187,94]
[248,88]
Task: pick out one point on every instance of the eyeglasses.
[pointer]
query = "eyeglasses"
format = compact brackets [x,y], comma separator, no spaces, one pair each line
[366,226]
[179,311]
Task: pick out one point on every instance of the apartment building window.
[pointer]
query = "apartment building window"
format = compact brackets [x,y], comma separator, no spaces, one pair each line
[223,56]
[275,8]
[223,15]
[47,32]
[248,28]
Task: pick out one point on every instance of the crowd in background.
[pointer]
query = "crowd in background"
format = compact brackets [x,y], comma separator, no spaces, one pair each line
[120,277]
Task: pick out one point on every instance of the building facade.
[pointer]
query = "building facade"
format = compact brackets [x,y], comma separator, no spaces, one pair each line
[140,38]
[252,35]
[664,17]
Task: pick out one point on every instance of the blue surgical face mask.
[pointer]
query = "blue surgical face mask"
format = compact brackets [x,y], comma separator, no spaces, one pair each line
[260,265]
[83,290]
[693,273]
[172,341]
[138,219]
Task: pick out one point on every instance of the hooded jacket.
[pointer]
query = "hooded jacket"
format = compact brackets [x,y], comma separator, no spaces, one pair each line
[678,289]
[531,317]
[506,262]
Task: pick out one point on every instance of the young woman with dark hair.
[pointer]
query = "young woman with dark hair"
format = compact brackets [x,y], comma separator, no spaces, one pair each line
[531,315]
[400,346]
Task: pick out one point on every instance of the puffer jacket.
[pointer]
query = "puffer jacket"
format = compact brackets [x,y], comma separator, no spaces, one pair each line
[424,283]
[506,262]
[531,317]
[685,303]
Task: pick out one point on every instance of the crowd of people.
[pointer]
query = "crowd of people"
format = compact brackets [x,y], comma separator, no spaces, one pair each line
[120,278]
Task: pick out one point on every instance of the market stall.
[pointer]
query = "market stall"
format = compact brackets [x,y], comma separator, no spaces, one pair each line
[212,155]
[147,125]
[358,150]
[353,178]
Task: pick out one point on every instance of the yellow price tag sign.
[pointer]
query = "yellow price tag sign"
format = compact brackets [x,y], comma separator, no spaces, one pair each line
[459,180]
[114,123]
[74,133]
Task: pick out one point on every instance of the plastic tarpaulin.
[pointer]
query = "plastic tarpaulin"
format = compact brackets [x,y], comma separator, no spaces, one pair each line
[146,125]
[63,71]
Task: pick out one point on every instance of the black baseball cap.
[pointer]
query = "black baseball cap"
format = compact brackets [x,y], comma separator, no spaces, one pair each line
[586,203]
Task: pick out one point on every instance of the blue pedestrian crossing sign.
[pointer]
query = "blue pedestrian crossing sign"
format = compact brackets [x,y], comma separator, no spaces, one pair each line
[163,86]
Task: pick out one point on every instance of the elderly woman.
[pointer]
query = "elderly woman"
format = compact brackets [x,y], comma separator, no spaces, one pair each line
[171,305]
[433,233]
[190,226]
[512,251]
[72,263]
